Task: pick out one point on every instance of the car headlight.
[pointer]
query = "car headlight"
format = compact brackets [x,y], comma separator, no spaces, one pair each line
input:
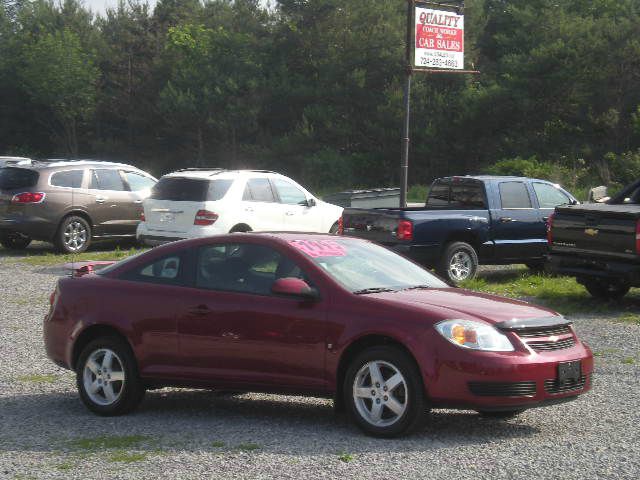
[474,335]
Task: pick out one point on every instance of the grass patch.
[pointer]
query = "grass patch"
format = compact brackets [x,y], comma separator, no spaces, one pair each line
[109,442]
[628,361]
[606,352]
[49,258]
[127,457]
[632,318]
[559,293]
[35,378]
[65,467]
[345,457]
[248,447]
[218,444]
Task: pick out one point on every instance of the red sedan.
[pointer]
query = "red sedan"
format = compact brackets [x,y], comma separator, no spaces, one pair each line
[308,314]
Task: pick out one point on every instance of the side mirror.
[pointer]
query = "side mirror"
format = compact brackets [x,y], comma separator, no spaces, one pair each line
[311,202]
[294,287]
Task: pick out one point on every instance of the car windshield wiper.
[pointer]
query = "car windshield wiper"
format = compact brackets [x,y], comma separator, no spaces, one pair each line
[365,291]
[417,287]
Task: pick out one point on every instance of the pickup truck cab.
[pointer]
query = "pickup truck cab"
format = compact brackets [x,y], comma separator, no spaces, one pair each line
[599,243]
[466,221]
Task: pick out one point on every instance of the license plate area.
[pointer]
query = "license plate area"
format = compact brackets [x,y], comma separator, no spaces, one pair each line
[569,372]
[167,217]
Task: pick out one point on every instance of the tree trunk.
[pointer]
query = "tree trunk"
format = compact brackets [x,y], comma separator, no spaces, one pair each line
[200,147]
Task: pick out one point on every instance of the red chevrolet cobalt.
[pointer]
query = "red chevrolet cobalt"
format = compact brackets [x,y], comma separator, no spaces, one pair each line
[312,315]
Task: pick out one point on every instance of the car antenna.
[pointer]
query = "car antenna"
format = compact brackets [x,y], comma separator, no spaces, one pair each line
[72,203]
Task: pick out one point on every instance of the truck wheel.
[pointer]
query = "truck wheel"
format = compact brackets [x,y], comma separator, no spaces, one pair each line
[605,290]
[459,262]
[15,241]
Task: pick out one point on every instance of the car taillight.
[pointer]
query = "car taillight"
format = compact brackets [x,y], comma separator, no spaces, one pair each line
[341,226]
[550,228]
[638,237]
[28,197]
[405,230]
[205,217]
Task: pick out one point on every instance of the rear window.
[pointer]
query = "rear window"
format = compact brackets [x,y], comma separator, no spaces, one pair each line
[69,179]
[464,195]
[13,178]
[514,195]
[178,189]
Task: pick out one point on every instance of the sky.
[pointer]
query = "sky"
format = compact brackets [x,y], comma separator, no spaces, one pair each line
[100,6]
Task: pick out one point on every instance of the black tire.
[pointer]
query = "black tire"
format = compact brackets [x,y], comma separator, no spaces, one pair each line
[409,394]
[129,392]
[334,228]
[240,229]
[606,290]
[502,415]
[73,235]
[15,241]
[458,263]
[537,266]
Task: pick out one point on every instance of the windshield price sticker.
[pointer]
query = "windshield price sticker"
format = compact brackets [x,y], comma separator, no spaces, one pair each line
[319,248]
[439,40]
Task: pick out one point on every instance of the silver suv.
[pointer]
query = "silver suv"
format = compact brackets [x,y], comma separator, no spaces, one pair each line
[69,203]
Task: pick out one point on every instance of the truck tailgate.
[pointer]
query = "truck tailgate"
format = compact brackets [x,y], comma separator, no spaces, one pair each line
[598,230]
[378,225]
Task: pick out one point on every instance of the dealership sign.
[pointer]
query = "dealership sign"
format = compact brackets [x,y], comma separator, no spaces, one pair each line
[439,39]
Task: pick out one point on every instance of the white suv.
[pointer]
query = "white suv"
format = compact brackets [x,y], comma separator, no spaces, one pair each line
[197,203]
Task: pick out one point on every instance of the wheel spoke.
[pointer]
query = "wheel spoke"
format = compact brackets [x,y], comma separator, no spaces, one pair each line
[93,366]
[395,406]
[117,376]
[374,372]
[108,392]
[94,387]
[376,412]
[393,382]
[107,360]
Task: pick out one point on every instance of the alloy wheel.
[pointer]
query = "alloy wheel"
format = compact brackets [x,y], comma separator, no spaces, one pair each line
[460,266]
[75,236]
[104,377]
[380,393]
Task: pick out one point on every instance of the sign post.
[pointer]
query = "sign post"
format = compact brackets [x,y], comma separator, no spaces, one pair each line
[435,44]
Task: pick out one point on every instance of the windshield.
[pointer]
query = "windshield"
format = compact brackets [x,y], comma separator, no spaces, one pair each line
[363,267]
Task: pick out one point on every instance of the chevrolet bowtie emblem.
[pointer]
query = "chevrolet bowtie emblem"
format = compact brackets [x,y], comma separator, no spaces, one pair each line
[591,231]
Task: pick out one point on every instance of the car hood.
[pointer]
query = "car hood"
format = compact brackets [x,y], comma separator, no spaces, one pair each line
[450,303]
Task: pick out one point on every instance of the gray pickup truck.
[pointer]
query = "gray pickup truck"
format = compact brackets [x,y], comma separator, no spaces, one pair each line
[599,244]
[466,221]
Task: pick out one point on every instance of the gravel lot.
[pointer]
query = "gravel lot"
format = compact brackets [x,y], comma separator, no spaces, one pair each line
[45,432]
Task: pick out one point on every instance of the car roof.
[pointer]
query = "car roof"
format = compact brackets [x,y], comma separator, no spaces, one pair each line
[491,177]
[57,163]
[216,172]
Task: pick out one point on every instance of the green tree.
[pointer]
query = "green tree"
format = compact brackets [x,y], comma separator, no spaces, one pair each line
[61,78]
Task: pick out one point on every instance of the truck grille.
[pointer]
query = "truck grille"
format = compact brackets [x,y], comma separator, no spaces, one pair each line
[508,389]
[554,387]
[549,345]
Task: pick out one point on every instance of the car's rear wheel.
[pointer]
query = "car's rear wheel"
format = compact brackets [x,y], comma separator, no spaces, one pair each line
[334,228]
[107,377]
[606,290]
[74,235]
[383,392]
[15,241]
[459,262]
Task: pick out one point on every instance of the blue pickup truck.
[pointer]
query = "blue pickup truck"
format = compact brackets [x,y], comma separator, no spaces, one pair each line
[467,221]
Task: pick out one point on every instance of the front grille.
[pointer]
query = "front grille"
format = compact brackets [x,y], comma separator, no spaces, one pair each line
[543,331]
[510,389]
[548,345]
[555,387]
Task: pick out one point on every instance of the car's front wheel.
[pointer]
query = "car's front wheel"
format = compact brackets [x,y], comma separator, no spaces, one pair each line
[606,290]
[15,241]
[383,392]
[107,377]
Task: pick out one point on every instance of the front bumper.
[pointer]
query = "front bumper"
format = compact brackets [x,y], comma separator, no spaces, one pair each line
[505,381]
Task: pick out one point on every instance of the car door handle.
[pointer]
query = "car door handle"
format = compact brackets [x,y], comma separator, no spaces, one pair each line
[199,310]
[290,214]
[137,201]
[506,219]
[100,199]
[248,209]
[545,219]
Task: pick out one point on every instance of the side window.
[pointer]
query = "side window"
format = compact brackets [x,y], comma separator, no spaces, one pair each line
[167,270]
[242,268]
[68,179]
[467,196]
[549,196]
[514,195]
[289,194]
[258,190]
[138,182]
[439,195]
[105,179]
